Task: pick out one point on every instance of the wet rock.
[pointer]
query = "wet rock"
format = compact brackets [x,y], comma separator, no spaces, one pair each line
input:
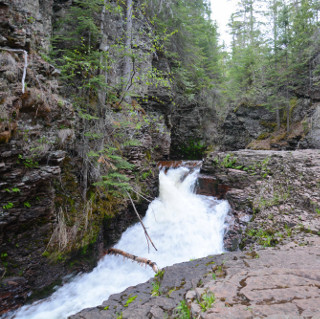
[14,291]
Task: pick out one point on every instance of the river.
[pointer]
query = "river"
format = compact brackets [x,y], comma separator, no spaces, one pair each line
[182,225]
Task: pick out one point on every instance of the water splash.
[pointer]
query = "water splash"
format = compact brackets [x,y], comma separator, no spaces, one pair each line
[182,225]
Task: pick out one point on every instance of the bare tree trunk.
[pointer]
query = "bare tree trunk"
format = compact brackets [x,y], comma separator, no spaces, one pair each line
[128,52]
[278,117]
[287,89]
[104,48]
[102,93]
[275,49]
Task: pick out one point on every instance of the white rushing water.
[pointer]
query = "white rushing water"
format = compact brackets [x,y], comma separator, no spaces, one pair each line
[182,226]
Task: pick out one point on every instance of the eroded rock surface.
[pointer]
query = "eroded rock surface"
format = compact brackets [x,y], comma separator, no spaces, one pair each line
[268,284]
[278,191]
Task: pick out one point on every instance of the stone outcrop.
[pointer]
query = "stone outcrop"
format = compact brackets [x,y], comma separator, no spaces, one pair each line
[270,283]
[254,127]
[313,135]
[194,125]
[277,191]
[244,124]
[31,154]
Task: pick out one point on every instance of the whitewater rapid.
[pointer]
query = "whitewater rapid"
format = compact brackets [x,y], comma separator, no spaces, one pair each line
[181,224]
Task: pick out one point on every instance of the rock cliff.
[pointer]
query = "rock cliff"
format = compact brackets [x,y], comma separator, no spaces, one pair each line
[254,127]
[47,228]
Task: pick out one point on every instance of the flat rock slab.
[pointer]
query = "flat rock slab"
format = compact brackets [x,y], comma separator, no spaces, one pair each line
[273,283]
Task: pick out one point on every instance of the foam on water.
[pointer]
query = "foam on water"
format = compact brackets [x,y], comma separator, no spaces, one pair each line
[182,226]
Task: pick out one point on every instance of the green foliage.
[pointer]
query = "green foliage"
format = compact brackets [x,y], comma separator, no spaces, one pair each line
[266,238]
[183,311]
[268,63]
[160,274]
[27,162]
[8,205]
[27,204]
[206,301]
[155,289]
[13,190]
[228,161]
[193,149]
[288,230]
[45,254]
[190,39]
[130,300]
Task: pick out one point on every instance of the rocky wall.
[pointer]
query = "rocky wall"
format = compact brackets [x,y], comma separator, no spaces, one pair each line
[274,195]
[44,228]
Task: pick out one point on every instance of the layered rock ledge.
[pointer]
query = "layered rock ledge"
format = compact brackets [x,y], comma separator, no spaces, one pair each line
[278,191]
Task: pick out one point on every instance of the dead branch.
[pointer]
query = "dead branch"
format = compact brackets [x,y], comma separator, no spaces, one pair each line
[129,82]
[25,55]
[141,195]
[139,260]
[144,228]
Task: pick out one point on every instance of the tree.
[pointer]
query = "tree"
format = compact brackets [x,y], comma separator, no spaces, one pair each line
[128,53]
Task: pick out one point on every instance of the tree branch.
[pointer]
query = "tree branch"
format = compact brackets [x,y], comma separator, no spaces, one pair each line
[25,55]
[139,260]
[144,228]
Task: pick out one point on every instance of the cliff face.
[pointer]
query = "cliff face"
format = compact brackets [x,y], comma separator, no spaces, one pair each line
[47,229]
[30,154]
[253,126]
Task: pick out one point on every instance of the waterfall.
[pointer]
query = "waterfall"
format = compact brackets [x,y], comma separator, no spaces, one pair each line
[182,225]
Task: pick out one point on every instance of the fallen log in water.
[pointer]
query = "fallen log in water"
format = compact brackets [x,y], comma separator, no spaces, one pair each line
[139,260]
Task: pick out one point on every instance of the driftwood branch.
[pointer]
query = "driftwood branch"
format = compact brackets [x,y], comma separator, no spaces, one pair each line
[139,260]
[25,55]
[144,228]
